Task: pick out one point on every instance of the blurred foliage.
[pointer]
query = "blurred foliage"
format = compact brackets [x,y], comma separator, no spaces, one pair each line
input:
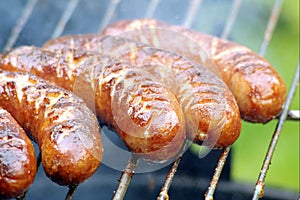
[251,147]
[283,53]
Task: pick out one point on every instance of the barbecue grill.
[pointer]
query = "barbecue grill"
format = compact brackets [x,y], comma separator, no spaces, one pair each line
[32,22]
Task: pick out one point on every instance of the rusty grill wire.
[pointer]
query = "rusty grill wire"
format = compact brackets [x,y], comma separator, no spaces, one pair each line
[189,18]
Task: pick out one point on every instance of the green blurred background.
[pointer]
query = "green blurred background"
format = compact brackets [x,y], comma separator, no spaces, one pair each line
[283,53]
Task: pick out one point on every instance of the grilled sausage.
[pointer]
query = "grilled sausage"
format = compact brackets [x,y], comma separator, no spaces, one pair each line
[65,129]
[211,112]
[17,159]
[211,98]
[259,90]
[147,116]
[86,42]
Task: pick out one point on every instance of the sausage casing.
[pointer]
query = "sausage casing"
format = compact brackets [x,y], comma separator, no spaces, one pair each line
[65,129]
[153,123]
[135,116]
[204,98]
[17,159]
[259,90]
[211,112]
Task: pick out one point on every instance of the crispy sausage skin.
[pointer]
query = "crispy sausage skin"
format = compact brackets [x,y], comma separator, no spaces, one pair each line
[86,42]
[145,114]
[17,159]
[211,98]
[211,111]
[65,129]
[259,90]
[147,117]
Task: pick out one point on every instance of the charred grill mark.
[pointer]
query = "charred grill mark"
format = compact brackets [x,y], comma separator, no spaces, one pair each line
[41,109]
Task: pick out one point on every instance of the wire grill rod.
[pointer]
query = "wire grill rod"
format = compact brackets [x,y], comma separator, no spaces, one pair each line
[71,192]
[222,160]
[20,24]
[214,181]
[109,13]
[163,195]
[191,13]
[151,8]
[126,178]
[58,30]
[231,19]
[270,26]
[259,188]
[292,114]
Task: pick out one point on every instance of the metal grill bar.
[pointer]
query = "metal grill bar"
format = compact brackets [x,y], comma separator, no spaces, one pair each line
[270,27]
[214,181]
[128,173]
[194,6]
[20,24]
[293,115]
[151,8]
[109,13]
[231,19]
[126,178]
[259,188]
[71,192]
[222,160]
[65,18]
[124,182]
[189,18]
[191,13]
[163,195]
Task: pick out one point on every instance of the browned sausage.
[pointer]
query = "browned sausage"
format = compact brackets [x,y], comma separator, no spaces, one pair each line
[205,99]
[147,116]
[65,129]
[17,159]
[87,42]
[257,87]
[210,109]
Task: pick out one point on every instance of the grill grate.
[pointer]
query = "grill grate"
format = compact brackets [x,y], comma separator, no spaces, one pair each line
[188,20]
[64,18]
[191,12]
[259,188]
[20,24]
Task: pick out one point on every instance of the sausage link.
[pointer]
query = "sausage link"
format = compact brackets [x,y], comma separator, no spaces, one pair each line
[86,42]
[211,112]
[207,91]
[17,159]
[65,129]
[147,117]
[259,90]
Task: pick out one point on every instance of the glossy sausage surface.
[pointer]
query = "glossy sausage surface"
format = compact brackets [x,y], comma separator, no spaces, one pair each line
[211,113]
[64,127]
[145,113]
[147,116]
[259,90]
[208,105]
[17,159]
[85,42]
